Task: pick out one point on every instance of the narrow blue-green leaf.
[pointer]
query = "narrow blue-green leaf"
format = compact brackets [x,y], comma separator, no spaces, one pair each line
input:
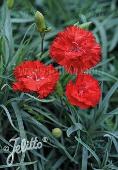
[74,128]
[17,164]
[9,117]
[40,100]
[21,128]
[90,150]
[84,158]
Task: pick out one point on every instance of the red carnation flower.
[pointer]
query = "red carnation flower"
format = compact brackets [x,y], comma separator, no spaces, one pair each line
[85,92]
[76,49]
[34,76]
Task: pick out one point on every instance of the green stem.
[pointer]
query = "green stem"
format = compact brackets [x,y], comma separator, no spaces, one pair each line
[42,42]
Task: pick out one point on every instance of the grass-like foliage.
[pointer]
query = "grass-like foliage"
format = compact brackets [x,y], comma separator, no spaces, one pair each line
[89,138]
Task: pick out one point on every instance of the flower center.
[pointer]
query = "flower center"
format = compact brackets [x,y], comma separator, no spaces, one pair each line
[35,76]
[82,90]
[75,47]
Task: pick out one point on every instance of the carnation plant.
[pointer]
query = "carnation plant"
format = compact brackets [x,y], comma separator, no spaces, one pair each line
[58,85]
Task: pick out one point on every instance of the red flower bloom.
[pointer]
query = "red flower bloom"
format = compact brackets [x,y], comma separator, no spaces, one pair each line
[85,92]
[76,49]
[34,76]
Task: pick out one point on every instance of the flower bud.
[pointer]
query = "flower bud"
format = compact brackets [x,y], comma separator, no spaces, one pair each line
[57,132]
[10,3]
[59,89]
[85,25]
[40,22]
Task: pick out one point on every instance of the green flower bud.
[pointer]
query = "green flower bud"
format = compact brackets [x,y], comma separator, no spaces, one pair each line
[10,3]
[57,132]
[84,25]
[40,22]
[59,89]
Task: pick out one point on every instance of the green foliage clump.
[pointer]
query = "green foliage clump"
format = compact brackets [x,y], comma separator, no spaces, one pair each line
[90,137]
